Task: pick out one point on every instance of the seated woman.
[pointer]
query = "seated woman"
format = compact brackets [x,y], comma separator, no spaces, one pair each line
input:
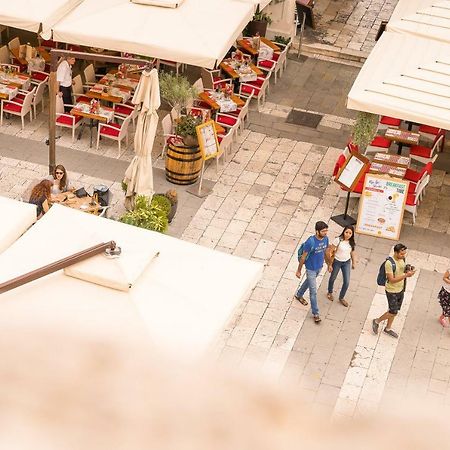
[39,194]
[60,180]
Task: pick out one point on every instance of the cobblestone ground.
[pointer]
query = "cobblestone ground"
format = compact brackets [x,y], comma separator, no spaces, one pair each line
[350,25]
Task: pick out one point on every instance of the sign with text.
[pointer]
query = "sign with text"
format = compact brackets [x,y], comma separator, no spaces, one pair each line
[381,206]
[207,139]
[351,171]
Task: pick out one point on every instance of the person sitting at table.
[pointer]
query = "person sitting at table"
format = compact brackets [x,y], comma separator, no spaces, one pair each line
[39,194]
[60,180]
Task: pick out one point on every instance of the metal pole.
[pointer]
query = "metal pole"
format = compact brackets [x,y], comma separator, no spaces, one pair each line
[57,265]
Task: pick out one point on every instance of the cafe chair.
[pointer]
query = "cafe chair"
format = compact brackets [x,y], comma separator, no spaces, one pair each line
[257,91]
[14,44]
[198,85]
[413,199]
[17,108]
[243,112]
[114,131]
[179,67]
[424,154]
[38,76]
[4,55]
[430,133]
[228,121]
[226,143]
[90,76]
[103,211]
[274,65]
[78,92]
[66,120]
[123,111]
[212,79]
[38,96]
[167,126]
[379,145]
[388,122]
[285,47]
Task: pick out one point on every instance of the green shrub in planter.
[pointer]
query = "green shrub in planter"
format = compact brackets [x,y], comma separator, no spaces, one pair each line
[364,129]
[147,214]
[282,40]
[162,202]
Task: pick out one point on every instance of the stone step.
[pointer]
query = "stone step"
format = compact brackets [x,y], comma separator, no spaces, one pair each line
[334,52]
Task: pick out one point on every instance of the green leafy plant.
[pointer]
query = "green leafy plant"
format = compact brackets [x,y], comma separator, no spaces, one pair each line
[186,125]
[162,202]
[147,214]
[260,16]
[364,129]
[282,40]
[176,91]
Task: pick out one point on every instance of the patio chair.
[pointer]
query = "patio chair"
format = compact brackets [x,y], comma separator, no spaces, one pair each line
[38,96]
[167,126]
[228,121]
[14,44]
[90,76]
[242,113]
[67,120]
[389,122]
[123,111]
[426,154]
[414,177]
[4,55]
[18,109]
[179,67]
[212,79]
[285,48]
[431,132]
[413,200]
[226,143]
[258,92]
[114,131]
[78,92]
[275,65]
[379,145]
[38,76]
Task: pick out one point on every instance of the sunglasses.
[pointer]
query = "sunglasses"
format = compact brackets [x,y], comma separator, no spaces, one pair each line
[59,173]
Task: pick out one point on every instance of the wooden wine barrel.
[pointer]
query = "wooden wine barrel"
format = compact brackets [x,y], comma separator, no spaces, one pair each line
[183,164]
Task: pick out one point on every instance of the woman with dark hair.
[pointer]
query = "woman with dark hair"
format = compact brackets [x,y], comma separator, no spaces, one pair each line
[40,193]
[60,180]
[343,249]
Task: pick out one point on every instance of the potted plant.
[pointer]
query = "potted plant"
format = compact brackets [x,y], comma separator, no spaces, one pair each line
[364,129]
[176,91]
[186,128]
[282,40]
[172,196]
[259,23]
[148,213]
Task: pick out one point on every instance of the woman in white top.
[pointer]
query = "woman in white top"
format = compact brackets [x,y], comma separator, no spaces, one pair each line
[343,248]
[60,180]
[444,300]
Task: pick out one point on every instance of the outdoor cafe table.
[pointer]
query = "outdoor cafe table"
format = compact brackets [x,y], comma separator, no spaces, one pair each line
[113,94]
[20,80]
[130,82]
[393,165]
[207,98]
[246,44]
[227,66]
[87,204]
[82,109]
[402,137]
[8,91]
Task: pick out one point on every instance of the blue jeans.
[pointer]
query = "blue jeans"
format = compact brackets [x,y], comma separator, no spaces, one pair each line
[345,267]
[310,282]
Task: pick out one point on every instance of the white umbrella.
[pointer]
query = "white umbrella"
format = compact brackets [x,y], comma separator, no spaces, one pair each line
[139,174]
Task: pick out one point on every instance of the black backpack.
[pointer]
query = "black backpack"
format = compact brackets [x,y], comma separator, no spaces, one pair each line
[382,278]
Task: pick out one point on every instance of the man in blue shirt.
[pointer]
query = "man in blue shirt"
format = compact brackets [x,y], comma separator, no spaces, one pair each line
[313,257]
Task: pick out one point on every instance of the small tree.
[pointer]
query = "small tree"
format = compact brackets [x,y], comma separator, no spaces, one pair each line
[364,129]
[176,91]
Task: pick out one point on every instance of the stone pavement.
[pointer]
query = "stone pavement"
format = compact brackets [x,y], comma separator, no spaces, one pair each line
[347,28]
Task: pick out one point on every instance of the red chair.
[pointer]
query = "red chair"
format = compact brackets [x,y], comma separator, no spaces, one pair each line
[212,79]
[415,176]
[339,163]
[389,122]
[379,145]
[427,154]
[38,76]
[431,132]
[18,108]
[114,131]
[413,199]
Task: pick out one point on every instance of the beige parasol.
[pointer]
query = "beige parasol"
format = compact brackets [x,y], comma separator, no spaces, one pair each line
[139,174]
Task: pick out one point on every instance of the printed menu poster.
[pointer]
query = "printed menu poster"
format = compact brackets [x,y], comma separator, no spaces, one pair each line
[381,206]
[351,171]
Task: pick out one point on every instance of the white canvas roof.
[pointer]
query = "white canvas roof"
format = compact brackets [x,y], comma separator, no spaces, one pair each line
[17,218]
[198,32]
[183,298]
[426,18]
[262,3]
[34,15]
[405,77]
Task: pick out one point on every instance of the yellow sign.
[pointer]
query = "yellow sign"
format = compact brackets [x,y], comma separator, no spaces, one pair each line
[207,140]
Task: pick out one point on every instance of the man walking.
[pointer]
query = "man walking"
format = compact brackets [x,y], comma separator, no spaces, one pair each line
[396,273]
[313,257]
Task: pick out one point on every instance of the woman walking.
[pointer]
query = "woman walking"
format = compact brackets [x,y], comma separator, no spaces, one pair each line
[342,251]
[444,300]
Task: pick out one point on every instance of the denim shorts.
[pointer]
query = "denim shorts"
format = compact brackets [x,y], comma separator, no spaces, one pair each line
[395,300]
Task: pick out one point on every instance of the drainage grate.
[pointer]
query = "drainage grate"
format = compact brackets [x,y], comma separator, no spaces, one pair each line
[304,118]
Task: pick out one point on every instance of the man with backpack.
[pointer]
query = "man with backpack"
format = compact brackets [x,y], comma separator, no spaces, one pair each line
[392,274]
[312,254]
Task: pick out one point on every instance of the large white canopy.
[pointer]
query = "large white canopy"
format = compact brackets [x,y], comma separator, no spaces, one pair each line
[262,3]
[183,298]
[34,15]
[198,32]
[426,18]
[405,77]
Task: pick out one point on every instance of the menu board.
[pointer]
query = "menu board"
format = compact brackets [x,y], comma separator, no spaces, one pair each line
[351,171]
[381,206]
[207,139]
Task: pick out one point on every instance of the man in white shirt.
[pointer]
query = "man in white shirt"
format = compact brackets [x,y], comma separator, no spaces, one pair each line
[64,79]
